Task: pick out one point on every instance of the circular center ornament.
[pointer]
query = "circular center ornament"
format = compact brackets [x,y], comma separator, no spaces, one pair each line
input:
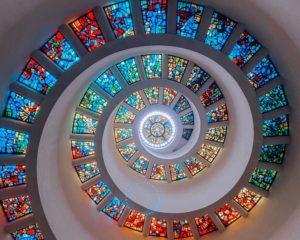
[157,130]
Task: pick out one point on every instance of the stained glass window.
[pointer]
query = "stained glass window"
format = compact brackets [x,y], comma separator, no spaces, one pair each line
[122,134]
[187,133]
[263,178]
[273,153]
[168,96]
[176,68]
[16,207]
[87,171]
[188,19]
[262,73]
[140,165]
[29,233]
[82,149]
[227,214]
[187,119]
[217,134]
[12,175]
[177,172]
[152,95]
[92,101]
[123,115]
[13,142]
[135,221]
[208,152]
[158,228]
[128,151]
[109,83]
[120,19]
[84,125]
[247,199]
[152,65]
[244,49]
[98,192]
[59,50]
[37,78]
[211,95]
[128,69]
[276,127]
[272,100]
[205,225]
[194,165]
[197,79]
[219,30]
[88,31]
[181,105]
[158,172]
[135,100]
[114,209]
[21,108]
[182,229]
[154,16]
[218,114]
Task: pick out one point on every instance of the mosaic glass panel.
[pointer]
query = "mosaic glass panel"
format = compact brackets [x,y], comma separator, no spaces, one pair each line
[135,100]
[205,225]
[122,134]
[219,30]
[177,172]
[168,96]
[120,19]
[123,115]
[273,99]
[128,69]
[187,133]
[194,165]
[208,152]
[152,95]
[197,79]
[135,221]
[82,149]
[84,125]
[227,214]
[273,153]
[276,127]
[87,171]
[187,119]
[16,207]
[217,134]
[211,95]
[29,233]
[218,114]
[109,83]
[263,178]
[176,68]
[158,172]
[92,101]
[262,73]
[13,142]
[244,49]
[154,14]
[128,151]
[181,105]
[59,50]
[158,228]
[140,165]
[37,78]
[247,199]
[114,209]
[152,65]
[188,19]
[98,192]
[21,108]
[12,175]
[182,229]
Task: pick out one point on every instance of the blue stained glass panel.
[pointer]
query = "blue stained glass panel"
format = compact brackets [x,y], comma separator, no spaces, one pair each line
[31,232]
[276,127]
[176,68]
[13,142]
[12,175]
[128,69]
[197,79]
[187,133]
[109,83]
[114,209]
[273,153]
[181,105]
[87,171]
[273,99]
[187,119]
[152,65]
[82,149]
[94,102]
[84,125]
[140,165]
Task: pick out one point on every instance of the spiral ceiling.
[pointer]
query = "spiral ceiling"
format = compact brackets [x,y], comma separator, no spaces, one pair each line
[173,122]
